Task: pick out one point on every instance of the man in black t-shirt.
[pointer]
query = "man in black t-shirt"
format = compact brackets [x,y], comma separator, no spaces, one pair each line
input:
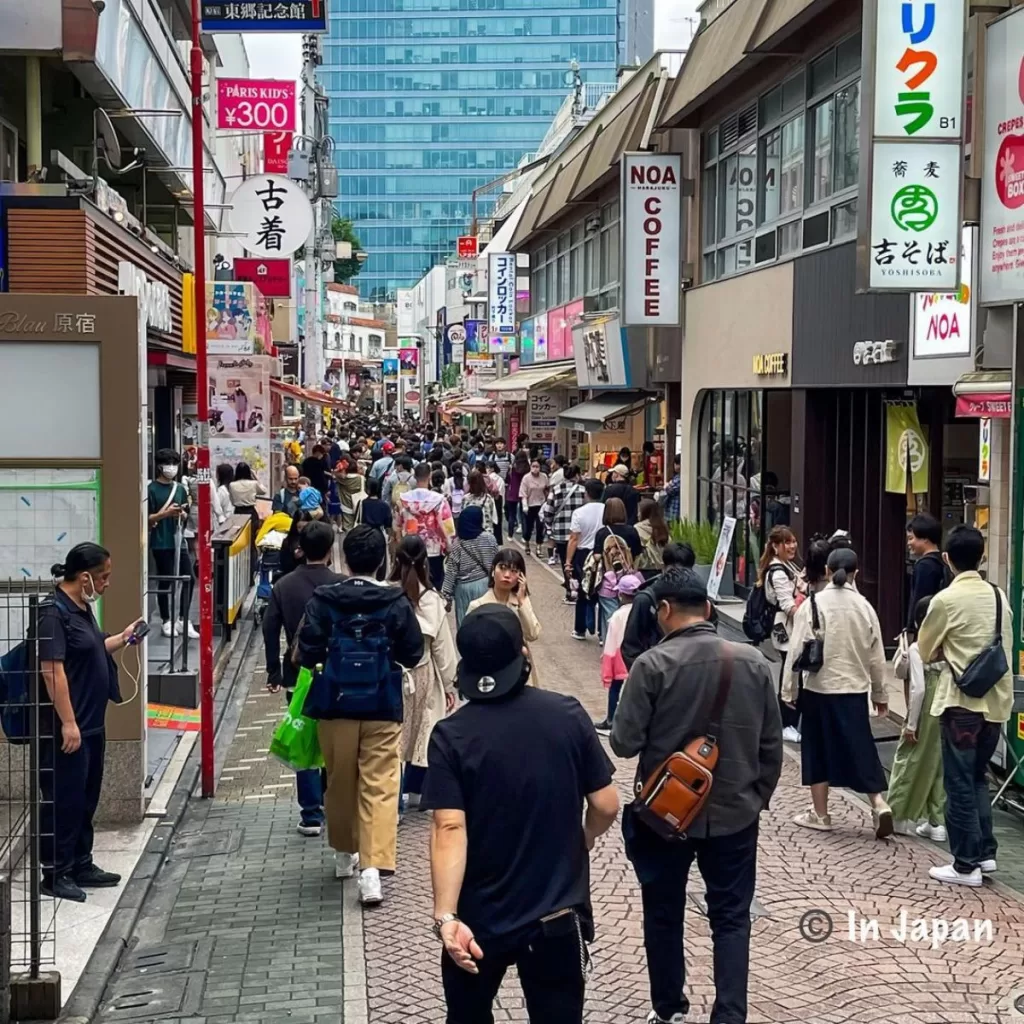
[508,777]
[924,535]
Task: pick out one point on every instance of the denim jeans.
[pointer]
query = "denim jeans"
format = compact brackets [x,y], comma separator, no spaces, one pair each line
[968,743]
[309,785]
[614,691]
[728,865]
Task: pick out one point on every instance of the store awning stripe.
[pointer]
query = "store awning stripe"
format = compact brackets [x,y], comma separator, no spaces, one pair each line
[531,378]
[592,415]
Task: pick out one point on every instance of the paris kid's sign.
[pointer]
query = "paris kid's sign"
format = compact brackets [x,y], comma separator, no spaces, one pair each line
[651,203]
[910,229]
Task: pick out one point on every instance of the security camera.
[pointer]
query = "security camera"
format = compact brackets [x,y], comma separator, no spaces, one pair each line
[99,6]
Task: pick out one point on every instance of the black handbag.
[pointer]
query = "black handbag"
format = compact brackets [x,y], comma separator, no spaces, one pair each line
[812,656]
[990,665]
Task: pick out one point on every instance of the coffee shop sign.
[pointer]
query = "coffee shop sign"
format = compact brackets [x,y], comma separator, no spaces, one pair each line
[154,296]
[63,323]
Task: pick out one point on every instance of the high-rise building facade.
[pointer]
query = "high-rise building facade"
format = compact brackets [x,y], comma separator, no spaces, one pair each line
[432,99]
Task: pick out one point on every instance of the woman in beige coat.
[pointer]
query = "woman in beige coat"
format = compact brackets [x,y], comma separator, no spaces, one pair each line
[429,687]
[508,587]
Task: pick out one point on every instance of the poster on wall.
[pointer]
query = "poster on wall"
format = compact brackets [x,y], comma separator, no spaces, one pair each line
[906,450]
[389,369]
[239,396]
[254,451]
[409,362]
[722,552]
[234,312]
[476,343]
[1001,259]
[526,342]
[651,205]
[944,321]
[502,344]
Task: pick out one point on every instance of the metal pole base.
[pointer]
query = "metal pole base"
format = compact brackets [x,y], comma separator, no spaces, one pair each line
[35,998]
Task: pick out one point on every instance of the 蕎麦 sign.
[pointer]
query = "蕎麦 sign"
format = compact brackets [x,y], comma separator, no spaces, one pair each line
[651,198]
[255,104]
[263,16]
[272,213]
[915,216]
[501,290]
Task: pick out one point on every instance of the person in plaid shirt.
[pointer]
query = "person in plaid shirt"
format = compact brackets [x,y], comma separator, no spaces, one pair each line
[672,496]
[556,514]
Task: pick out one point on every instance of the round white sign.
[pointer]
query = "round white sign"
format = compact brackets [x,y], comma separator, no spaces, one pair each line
[272,213]
[457,334]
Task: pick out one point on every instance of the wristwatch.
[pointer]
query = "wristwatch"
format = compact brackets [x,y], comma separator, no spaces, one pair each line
[440,922]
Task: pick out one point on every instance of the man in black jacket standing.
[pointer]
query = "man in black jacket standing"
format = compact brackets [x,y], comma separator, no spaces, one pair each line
[668,701]
[642,629]
[285,610]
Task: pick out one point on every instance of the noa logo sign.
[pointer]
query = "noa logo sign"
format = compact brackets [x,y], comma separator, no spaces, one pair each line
[651,206]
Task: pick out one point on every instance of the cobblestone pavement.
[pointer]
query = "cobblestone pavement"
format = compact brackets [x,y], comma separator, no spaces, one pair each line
[800,872]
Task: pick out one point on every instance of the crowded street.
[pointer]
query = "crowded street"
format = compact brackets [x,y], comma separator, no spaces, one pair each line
[281,939]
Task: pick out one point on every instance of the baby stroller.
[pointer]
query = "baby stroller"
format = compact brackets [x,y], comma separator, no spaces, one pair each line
[268,568]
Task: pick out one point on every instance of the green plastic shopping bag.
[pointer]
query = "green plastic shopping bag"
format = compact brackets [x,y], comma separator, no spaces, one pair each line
[295,741]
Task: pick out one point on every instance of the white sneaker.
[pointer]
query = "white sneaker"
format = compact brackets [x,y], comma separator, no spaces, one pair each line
[948,873]
[926,830]
[369,887]
[167,628]
[676,1018]
[345,864]
[187,627]
[791,734]
[810,819]
[309,830]
[989,867]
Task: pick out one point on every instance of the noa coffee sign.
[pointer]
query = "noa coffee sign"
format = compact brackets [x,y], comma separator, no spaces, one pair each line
[943,321]
[651,206]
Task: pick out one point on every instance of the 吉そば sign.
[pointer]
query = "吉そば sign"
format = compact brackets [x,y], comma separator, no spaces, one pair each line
[918,69]
[272,213]
[914,242]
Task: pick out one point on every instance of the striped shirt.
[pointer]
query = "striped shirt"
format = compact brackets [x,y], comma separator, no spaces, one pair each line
[468,560]
[558,509]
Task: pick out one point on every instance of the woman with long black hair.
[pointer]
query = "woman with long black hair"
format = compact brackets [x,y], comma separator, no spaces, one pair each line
[80,678]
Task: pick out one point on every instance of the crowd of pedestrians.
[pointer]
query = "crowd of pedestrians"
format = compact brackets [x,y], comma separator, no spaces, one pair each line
[427,692]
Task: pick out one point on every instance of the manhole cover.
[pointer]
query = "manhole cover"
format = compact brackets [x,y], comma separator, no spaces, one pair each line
[1018,1004]
[209,844]
[160,959]
[150,998]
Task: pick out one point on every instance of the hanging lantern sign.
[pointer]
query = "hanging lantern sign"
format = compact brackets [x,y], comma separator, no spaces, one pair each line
[272,214]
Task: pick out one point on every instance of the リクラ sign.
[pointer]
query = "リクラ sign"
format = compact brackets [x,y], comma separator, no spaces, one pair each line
[915,216]
[651,194]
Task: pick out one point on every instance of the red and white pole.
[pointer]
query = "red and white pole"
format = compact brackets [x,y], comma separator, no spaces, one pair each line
[204,547]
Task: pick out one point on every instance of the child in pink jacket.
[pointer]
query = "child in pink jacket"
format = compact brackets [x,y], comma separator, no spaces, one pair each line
[613,668]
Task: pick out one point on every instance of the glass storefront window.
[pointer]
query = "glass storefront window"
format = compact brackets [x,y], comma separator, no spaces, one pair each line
[821,184]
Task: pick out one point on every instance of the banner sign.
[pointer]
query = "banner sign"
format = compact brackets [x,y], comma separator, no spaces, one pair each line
[409,362]
[651,204]
[467,247]
[501,285]
[906,450]
[255,104]
[272,213]
[995,407]
[389,369]
[1001,268]
[263,16]
[722,552]
[909,231]
[276,146]
[273,277]
[476,343]
[943,321]
[984,450]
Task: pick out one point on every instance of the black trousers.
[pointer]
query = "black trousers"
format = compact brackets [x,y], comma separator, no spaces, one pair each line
[550,973]
[533,521]
[435,568]
[790,716]
[583,620]
[499,506]
[728,865]
[70,785]
[561,550]
[164,561]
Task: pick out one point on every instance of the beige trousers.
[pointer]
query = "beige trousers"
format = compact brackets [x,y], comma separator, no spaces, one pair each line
[363,776]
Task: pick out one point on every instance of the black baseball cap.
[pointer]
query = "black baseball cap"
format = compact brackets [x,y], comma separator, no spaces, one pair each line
[490,641]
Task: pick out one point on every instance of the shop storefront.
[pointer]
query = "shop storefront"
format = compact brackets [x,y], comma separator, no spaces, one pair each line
[531,400]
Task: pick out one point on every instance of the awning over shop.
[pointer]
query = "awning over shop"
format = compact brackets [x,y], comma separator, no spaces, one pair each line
[592,416]
[306,395]
[984,394]
[514,387]
[470,406]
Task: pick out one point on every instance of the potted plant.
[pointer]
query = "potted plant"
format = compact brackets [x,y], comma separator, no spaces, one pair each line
[703,538]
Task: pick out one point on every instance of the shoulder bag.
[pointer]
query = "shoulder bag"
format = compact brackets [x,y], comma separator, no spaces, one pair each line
[677,790]
[812,656]
[990,665]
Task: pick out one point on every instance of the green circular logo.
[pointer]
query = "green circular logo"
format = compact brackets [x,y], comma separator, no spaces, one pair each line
[914,208]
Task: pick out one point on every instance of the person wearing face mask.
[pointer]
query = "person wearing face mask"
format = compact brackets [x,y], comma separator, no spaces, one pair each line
[168,506]
[668,700]
[80,678]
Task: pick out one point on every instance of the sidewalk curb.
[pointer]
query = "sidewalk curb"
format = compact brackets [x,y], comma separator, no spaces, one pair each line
[87,994]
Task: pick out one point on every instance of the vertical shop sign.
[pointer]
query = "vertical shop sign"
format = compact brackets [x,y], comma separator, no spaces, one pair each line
[1001,262]
[501,273]
[906,450]
[909,232]
[984,450]
[651,197]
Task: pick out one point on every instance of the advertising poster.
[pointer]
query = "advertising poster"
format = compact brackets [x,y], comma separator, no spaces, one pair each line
[254,451]
[504,345]
[389,369]
[409,362]
[239,396]
[230,318]
[721,557]
[476,343]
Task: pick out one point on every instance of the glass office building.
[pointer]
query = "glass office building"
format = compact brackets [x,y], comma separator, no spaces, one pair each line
[431,99]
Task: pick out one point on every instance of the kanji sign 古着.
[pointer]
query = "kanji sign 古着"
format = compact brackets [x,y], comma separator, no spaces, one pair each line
[915,217]
[502,292]
[263,15]
[919,59]
[272,213]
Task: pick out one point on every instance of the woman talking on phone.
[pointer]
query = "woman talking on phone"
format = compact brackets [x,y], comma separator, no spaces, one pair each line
[507,586]
[80,677]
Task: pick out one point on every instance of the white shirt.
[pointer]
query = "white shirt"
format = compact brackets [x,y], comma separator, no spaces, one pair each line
[586,521]
[556,478]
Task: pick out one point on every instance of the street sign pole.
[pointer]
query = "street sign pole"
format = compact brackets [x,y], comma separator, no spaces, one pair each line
[204,547]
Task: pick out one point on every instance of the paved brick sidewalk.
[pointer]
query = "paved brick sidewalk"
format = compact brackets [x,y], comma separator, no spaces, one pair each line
[791,979]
